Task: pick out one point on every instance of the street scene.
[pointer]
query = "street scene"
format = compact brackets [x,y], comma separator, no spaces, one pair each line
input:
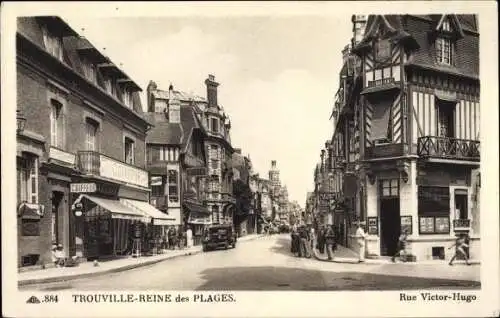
[346,161]
[265,263]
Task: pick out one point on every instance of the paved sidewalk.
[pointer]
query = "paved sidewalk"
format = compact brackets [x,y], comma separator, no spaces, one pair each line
[87,269]
[346,255]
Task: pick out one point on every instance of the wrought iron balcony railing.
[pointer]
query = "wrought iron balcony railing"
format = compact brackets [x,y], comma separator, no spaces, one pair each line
[461,224]
[449,148]
[382,81]
[94,163]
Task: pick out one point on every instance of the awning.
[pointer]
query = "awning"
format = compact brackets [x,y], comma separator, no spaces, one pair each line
[116,208]
[159,218]
[194,207]
[380,120]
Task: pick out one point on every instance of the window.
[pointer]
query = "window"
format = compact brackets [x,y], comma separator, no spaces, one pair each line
[174,114]
[56,124]
[215,125]
[214,152]
[213,184]
[91,130]
[53,44]
[27,179]
[89,69]
[154,153]
[108,86]
[215,213]
[390,188]
[129,151]
[215,163]
[173,186]
[127,98]
[157,186]
[445,119]
[444,50]
[434,210]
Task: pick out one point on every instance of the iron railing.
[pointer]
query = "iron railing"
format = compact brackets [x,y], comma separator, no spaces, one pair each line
[448,148]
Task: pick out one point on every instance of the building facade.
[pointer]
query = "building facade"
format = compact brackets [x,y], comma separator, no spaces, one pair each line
[407,132]
[177,159]
[81,154]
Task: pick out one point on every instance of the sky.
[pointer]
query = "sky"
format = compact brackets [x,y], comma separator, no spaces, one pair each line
[278,76]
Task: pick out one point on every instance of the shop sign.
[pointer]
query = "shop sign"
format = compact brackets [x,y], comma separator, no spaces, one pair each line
[199,171]
[326,196]
[372,225]
[406,224]
[83,187]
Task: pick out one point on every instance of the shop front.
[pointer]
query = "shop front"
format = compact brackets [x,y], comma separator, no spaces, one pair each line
[198,218]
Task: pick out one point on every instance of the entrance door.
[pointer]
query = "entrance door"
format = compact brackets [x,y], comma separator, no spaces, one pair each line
[390,225]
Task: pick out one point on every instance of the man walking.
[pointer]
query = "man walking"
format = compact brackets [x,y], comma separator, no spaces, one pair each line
[330,241]
[304,242]
[401,245]
[461,244]
[360,238]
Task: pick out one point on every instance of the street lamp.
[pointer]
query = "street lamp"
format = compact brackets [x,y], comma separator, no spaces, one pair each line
[21,121]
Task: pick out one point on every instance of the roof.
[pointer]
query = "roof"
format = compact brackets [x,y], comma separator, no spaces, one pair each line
[167,133]
[163,132]
[176,94]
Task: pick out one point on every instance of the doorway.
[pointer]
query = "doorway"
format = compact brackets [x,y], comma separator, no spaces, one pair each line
[390,225]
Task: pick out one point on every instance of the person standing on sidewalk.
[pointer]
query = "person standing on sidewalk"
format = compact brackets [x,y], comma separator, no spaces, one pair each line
[304,242]
[461,244]
[330,241]
[360,238]
[401,245]
[189,237]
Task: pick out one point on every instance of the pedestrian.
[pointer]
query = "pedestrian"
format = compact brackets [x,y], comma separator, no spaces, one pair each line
[181,238]
[401,245]
[329,241]
[312,237]
[360,239]
[321,239]
[295,241]
[304,242]
[58,255]
[189,237]
[461,243]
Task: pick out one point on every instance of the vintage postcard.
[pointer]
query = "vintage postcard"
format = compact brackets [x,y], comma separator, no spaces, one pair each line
[250,159]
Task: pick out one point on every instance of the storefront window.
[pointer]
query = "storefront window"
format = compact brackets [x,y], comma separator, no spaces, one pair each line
[434,210]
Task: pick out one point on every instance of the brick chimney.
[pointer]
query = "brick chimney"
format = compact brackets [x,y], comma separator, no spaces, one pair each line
[211,91]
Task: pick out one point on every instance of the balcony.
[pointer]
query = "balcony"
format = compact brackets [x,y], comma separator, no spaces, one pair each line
[448,148]
[384,151]
[461,225]
[381,82]
[94,163]
[61,156]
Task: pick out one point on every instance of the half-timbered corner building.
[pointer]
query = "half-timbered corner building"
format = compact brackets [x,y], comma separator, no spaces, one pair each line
[409,127]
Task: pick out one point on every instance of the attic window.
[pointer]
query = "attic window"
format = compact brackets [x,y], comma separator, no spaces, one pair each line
[53,44]
[444,50]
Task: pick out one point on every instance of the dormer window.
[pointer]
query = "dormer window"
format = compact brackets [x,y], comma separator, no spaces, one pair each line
[127,98]
[89,69]
[53,44]
[444,50]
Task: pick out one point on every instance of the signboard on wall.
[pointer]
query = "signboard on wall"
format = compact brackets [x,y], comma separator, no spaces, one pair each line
[372,225]
[407,224]
[83,187]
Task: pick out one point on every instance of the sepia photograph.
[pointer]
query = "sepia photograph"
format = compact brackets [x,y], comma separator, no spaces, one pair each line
[218,154]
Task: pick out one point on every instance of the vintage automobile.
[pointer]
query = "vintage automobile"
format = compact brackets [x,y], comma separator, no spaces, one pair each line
[219,236]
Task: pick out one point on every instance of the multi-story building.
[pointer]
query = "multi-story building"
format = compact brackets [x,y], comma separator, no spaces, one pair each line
[81,154]
[176,158]
[407,132]
[264,193]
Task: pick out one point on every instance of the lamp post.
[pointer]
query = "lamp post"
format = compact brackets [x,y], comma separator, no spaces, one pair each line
[21,121]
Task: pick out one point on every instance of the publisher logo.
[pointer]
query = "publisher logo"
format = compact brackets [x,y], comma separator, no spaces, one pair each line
[33,300]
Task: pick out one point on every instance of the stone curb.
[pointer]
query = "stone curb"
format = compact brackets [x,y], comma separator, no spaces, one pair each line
[109,271]
[382,261]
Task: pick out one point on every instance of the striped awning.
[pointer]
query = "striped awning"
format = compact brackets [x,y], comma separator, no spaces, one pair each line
[115,208]
[159,218]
